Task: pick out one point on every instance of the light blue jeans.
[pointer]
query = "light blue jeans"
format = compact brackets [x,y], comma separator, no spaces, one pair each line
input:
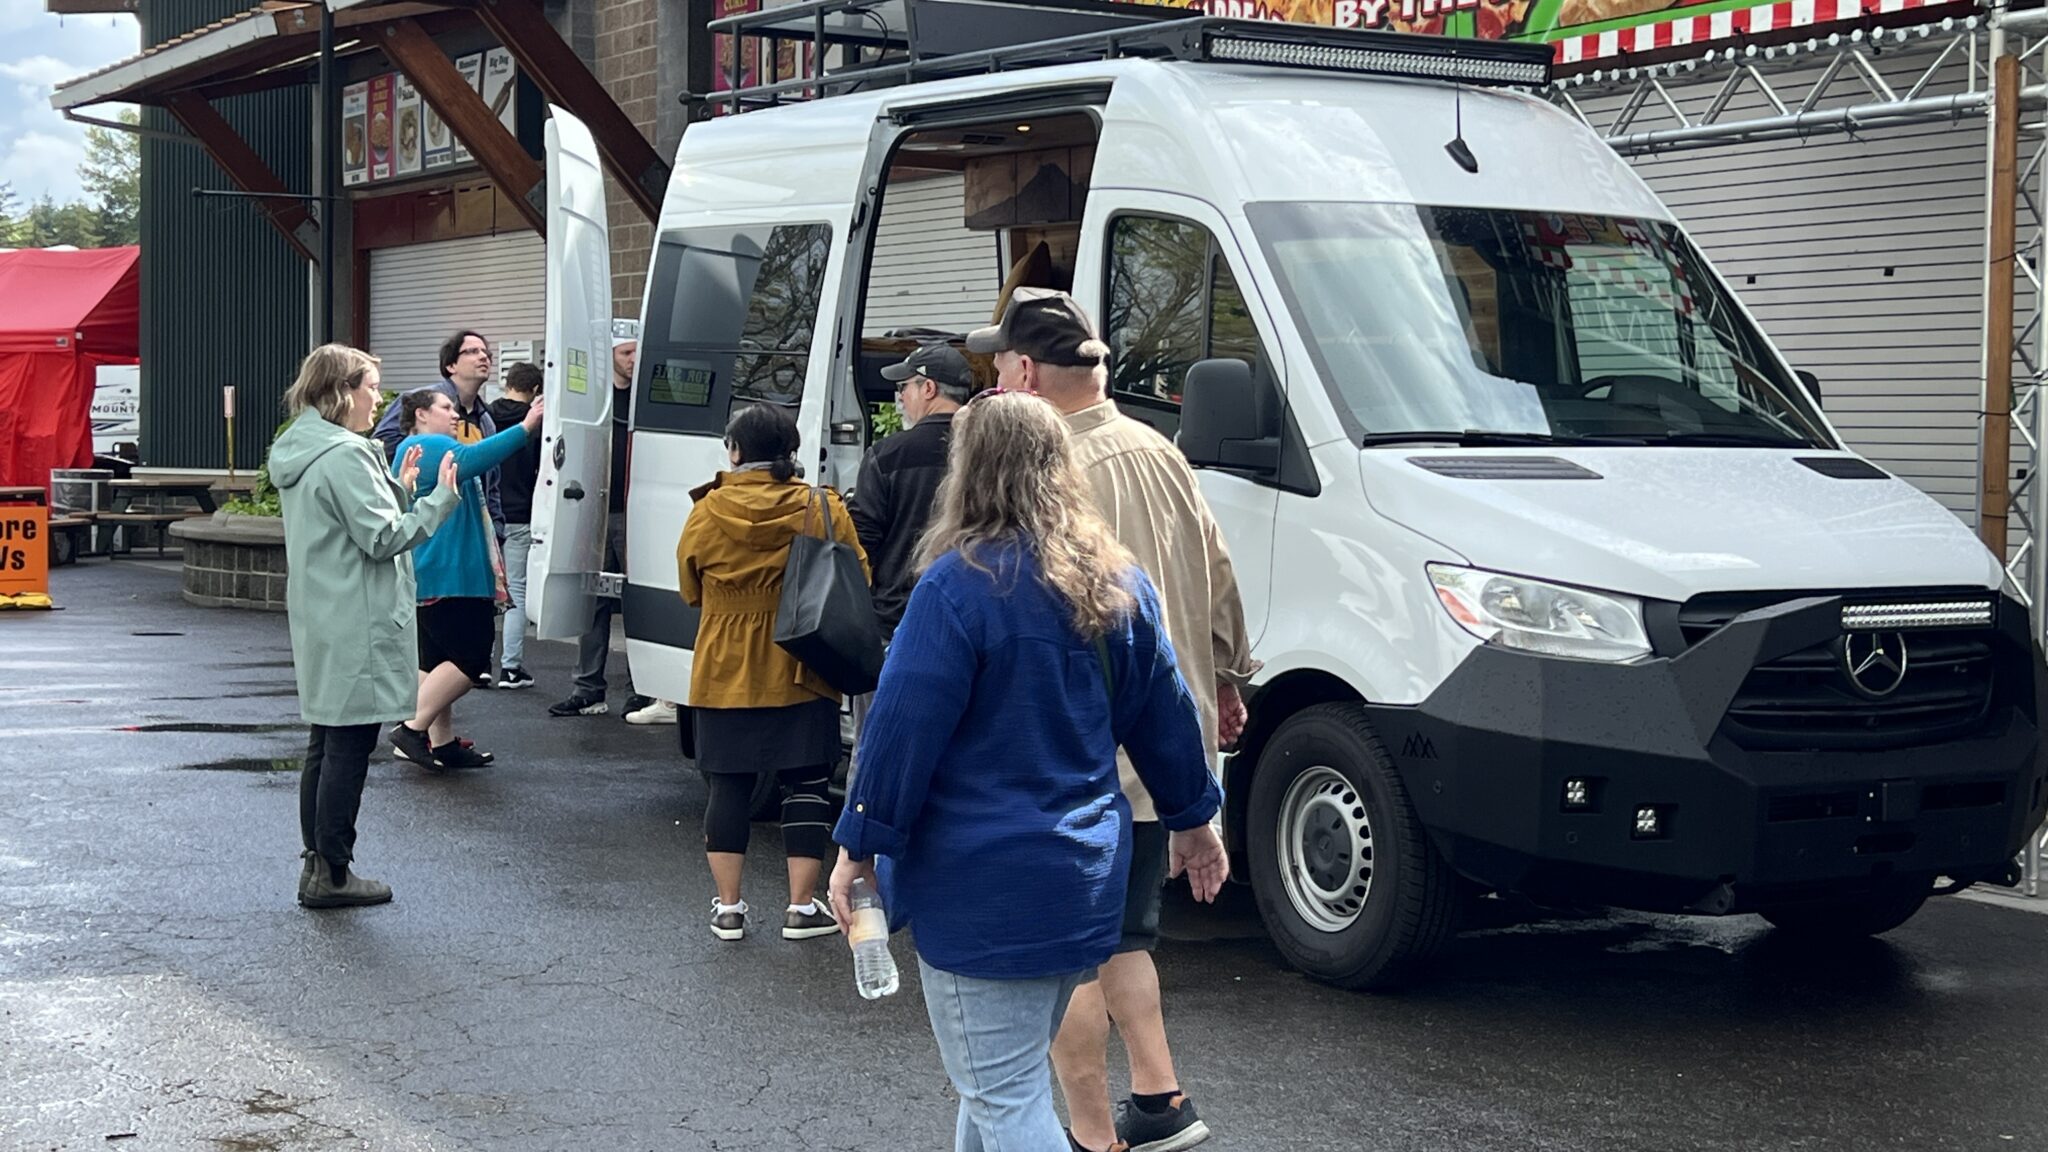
[518,542]
[995,1037]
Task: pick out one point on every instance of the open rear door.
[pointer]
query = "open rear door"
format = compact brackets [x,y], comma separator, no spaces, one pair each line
[570,498]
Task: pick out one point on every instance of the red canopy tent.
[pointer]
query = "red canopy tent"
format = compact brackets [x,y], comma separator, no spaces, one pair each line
[62,315]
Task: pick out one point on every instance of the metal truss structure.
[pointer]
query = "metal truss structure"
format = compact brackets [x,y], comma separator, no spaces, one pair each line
[1760,98]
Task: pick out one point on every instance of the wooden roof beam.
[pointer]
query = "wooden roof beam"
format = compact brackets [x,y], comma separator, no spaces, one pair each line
[561,75]
[246,169]
[449,94]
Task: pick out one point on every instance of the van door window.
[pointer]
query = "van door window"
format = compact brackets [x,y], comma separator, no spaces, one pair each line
[1172,302]
[731,313]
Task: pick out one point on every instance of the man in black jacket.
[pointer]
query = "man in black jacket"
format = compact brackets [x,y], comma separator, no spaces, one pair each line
[892,500]
[515,489]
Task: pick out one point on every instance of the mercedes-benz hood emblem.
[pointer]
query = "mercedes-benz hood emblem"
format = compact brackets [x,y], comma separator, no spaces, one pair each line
[1875,662]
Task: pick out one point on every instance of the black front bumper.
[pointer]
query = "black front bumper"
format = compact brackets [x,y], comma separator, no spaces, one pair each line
[1487,758]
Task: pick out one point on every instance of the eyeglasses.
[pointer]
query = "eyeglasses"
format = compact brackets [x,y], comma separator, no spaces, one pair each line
[483,352]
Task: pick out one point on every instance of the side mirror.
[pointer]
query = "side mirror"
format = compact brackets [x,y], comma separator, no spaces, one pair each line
[1812,384]
[1230,419]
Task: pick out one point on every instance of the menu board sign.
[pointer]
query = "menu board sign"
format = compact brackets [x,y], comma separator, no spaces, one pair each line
[382,90]
[355,134]
[499,90]
[410,157]
[472,69]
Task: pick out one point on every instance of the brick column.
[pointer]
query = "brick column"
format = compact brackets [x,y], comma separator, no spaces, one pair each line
[627,65]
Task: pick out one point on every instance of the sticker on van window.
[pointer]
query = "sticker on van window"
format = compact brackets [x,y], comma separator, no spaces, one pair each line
[681,382]
[579,371]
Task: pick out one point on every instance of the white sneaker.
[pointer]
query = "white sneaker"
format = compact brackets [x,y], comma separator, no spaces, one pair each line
[659,712]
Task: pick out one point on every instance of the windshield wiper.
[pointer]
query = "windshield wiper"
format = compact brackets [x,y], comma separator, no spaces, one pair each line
[1716,440]
[1473,438]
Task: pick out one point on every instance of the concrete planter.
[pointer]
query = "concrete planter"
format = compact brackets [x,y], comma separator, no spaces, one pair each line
[234,561]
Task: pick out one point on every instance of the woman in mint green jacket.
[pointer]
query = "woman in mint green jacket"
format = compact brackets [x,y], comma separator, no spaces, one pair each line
[460,579]
[348,528]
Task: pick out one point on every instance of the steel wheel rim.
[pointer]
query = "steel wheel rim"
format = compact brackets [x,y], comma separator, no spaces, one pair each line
[1325,849]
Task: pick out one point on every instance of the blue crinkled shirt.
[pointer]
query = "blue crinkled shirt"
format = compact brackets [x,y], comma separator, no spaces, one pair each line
[988,781]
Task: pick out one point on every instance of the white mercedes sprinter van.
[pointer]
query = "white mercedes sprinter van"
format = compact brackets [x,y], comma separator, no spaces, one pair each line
[1562,581]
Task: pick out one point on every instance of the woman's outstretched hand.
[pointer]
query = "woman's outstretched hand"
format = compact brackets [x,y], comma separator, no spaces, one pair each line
[409,471]
[1199,853]
[451,473]
[533,414]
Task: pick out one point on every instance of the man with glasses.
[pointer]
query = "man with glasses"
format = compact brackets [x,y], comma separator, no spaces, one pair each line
[892,497]
[465,366]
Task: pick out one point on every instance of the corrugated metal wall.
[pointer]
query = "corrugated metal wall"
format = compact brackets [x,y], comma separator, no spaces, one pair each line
[1862,256]
[224,298]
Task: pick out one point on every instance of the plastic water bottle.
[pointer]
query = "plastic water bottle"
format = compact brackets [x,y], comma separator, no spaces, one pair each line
[874,969]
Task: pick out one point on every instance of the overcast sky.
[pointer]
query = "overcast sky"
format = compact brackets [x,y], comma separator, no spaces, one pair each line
[40,150]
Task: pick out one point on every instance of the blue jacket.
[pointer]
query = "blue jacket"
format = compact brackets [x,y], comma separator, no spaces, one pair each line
[988,777]
[456,560]
[477,426]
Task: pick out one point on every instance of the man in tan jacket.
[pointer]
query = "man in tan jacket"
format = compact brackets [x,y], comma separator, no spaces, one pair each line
[1145,489]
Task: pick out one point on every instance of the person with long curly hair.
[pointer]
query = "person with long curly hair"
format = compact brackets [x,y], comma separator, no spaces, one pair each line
[1031,649]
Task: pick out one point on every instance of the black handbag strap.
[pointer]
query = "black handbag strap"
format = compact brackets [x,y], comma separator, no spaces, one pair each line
[824,508]
[1108,677]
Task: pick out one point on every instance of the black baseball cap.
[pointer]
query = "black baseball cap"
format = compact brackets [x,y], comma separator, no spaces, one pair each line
[937,362]
[1047,326]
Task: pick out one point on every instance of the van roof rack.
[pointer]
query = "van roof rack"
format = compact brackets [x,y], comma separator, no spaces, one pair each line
[887,42]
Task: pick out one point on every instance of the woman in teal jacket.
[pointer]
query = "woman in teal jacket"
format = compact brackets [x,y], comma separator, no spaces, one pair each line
[347,535]
[461,580]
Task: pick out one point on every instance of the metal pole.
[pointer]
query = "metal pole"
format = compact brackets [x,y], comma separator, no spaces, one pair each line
[2037,563]
[328,165]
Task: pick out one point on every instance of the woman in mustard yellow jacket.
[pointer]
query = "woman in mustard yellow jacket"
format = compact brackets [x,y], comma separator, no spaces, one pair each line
[756,709]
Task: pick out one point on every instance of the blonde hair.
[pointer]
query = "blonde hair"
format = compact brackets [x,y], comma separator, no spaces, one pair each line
[326,377]
[1011,476]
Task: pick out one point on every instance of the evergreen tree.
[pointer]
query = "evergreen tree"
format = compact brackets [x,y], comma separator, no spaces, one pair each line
[112,176]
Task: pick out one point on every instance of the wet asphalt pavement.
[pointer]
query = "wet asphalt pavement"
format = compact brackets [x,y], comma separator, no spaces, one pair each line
[545,979]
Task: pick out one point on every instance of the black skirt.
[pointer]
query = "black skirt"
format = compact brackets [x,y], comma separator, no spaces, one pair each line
[746,741]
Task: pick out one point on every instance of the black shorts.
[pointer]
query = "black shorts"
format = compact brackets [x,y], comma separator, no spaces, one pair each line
[1147,888]
[457,630]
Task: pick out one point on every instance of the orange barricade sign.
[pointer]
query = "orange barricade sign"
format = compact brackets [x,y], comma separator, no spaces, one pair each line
[24,549]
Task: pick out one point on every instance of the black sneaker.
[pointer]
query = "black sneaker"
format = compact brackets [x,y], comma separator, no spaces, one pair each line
[728,923]
[1074,1145]
[513,679]
[457,754]
[581,704]
[819,921]
[481,680]
[413,747]
[1170,1131]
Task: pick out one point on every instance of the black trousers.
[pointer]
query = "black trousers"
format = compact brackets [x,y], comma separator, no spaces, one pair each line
[806,812]
[331,789]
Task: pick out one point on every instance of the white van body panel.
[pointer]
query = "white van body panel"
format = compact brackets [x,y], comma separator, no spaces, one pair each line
[570,503]
[1672,523]
[1343,574]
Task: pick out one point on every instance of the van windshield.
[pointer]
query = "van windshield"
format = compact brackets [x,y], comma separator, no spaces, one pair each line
[1544,327]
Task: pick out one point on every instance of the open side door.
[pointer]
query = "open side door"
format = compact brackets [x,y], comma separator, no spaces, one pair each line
[566,564]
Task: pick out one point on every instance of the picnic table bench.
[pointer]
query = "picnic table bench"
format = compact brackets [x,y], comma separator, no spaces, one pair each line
[149,502]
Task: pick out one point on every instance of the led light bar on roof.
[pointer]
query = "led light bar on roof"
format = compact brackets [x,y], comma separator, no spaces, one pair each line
[1420,57]
[1921,614]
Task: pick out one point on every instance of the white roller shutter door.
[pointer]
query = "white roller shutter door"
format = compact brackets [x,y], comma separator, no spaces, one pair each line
[421,294]
[1861,256]
[929,270]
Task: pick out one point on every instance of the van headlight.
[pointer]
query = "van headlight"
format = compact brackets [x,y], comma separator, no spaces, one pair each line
[1517,612]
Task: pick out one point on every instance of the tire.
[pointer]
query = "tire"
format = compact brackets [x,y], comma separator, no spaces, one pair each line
[1327,807]
[766,802]
[1871,914]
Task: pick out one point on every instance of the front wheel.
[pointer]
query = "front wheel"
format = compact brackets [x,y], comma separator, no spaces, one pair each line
[1349,886]
[1870,914]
